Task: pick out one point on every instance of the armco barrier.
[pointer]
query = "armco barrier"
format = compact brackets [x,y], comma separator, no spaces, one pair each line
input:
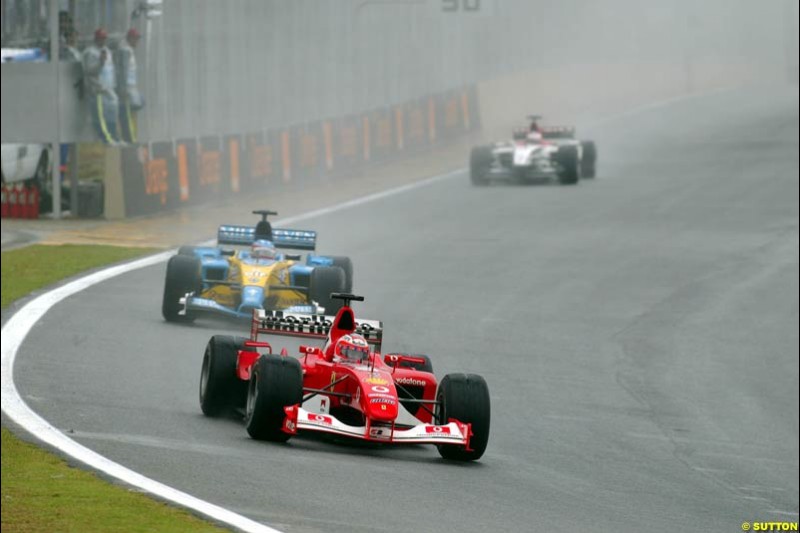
[146,177]
[415,118]
[259,157]
[347,144]
[211,171]
[381,139]
[308,157]
[162,176]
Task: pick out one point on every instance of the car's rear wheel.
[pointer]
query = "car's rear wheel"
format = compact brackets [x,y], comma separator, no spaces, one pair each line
[183,276]
[480,161]
[347,265]
[464,397]
[276,382]
[588,159]
[221,390]
[567,157]
[324,281]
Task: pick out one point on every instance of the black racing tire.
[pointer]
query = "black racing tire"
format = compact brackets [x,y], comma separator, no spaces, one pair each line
[464,397]
[183,276]
[588,159]
[186,250]
[221,390]
[324,281]
[347,265]
[567,157]
[276,382]
[427,366]
[480,161]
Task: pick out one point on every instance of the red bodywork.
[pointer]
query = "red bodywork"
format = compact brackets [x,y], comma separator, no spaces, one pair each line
[382,399]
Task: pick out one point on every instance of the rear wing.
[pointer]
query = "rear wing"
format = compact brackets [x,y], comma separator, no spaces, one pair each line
[307,326]
[297,239]
[558,132]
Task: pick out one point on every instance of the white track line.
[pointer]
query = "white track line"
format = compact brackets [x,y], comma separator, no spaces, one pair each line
[15,331]
[21,323]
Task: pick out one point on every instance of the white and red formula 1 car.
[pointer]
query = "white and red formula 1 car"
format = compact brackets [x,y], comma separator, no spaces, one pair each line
[535,154]
[344,387]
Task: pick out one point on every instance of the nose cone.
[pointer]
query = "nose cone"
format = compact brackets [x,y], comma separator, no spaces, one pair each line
[380,401]
[252,298]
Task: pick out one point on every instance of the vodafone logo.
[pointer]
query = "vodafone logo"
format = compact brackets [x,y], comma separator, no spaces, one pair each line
[412,382]
[320,419]
[380,388]
[437,430]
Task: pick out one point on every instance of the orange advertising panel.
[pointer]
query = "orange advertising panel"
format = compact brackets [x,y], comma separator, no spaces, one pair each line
[183,172]
[233,157]
[209,167]
[156,175]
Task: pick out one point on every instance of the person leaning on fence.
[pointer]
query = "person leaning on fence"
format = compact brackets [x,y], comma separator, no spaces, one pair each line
[130,99]
[68,50]
[100,79]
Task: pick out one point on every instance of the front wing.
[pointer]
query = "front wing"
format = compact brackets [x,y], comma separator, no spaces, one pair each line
[196,304]
[455,433]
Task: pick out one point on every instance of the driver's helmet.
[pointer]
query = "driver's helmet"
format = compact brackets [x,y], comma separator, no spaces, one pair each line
[535,137]
[352,347]
[263,249]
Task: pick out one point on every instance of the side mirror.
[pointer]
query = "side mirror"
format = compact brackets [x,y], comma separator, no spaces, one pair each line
[394,360]
[310,350]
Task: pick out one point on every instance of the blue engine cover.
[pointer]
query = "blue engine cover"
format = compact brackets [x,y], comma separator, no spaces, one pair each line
[202,252]
[319,260]
[214,268]
[300,274]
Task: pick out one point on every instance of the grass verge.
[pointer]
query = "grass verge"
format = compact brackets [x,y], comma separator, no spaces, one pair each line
[40,491]
[25,270]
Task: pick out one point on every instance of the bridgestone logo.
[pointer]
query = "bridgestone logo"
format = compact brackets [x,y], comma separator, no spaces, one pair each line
[411,381]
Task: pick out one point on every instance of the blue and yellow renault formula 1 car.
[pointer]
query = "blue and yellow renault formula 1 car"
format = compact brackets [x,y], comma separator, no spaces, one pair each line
[232,282]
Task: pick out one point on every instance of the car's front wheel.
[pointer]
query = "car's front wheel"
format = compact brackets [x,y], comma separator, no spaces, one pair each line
[480,162]
[220,388]
[183,276]
[464,397]
[276,382]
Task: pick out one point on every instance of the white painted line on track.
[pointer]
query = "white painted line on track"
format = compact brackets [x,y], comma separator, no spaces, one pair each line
[659,104]
[23,321]
[372,197]
[360,200]
[15,331]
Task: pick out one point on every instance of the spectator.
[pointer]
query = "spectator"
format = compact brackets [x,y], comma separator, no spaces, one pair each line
[130,99]
[100,79]
[68,52]
[69,47]
[65,24]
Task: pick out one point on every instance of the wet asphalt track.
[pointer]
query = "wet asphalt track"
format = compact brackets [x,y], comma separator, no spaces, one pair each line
[638,332]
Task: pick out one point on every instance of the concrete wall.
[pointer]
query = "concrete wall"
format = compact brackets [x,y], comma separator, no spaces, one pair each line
[218,67]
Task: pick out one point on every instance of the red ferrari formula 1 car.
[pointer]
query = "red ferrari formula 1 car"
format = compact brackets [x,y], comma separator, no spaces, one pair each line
[345,387]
